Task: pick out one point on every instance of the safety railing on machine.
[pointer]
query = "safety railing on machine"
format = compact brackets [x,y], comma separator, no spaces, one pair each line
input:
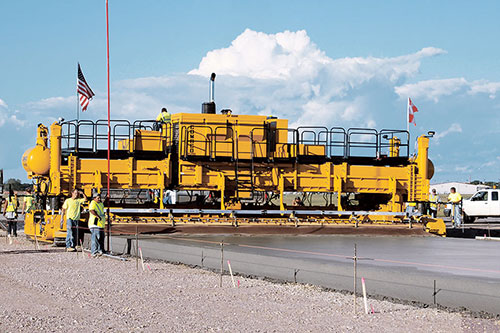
[86,136]
[215,142]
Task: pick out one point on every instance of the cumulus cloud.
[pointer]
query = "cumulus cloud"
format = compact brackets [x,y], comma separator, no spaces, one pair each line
[300,82]
[289,54]
[265,56]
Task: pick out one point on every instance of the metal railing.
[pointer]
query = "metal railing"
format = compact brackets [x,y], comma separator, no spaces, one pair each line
[215,140]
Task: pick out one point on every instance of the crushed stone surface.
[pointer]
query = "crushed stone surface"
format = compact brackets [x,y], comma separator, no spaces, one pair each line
[55,291]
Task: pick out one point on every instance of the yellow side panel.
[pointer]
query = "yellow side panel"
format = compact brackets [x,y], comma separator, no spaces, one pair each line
[149,140]
[124,144]
[144,172]
[312,150]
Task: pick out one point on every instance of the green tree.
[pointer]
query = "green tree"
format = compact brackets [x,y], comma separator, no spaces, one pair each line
[15,184]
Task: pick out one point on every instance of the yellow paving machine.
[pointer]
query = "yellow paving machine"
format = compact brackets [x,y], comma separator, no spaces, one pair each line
[231,169]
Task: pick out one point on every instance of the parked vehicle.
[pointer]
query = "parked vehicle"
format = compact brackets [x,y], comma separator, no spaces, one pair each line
[484,203]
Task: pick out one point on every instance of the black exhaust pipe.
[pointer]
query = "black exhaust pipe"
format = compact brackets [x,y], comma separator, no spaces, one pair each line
[210,106]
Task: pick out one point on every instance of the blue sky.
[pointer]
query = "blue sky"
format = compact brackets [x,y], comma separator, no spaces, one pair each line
[336,63]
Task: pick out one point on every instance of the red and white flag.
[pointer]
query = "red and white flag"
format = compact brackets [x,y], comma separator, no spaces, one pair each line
[85,94]
[411,112]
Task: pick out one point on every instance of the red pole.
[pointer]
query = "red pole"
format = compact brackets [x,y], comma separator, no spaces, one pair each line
[109,126]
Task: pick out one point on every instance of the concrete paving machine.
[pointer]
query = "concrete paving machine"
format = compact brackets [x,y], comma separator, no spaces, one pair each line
[230,169]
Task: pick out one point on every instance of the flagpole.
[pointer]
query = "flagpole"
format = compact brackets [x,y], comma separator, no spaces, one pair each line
[408,116]
[109,127]
[77,99]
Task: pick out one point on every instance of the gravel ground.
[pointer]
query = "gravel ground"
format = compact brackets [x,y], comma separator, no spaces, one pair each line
[54,291]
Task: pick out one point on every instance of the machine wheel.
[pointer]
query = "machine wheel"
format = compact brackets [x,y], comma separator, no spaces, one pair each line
[469,219]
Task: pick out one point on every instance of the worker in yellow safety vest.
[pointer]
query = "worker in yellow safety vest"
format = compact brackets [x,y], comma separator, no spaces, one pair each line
[97,220]
[28,202]
[71,210]
[163,118]
[455,199]
[10,213]
[433,203]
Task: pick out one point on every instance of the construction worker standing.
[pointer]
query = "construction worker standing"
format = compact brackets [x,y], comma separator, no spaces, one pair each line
[163,118]
[28,202]
[10,212]
[97,220]
[456,200]
[433,203]
[71,209]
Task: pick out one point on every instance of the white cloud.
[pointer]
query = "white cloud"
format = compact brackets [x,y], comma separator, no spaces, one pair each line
[435,89]
[287,75]
[463,169]
[265,56]
[490,88]
[454,128]
[489,164]
[431,89]
[53,103]
[292,55]
[8,117]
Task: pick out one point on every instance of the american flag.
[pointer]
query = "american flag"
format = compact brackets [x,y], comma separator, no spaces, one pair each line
[84,92]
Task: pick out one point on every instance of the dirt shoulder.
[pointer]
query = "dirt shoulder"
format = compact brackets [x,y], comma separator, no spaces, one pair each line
[51,290]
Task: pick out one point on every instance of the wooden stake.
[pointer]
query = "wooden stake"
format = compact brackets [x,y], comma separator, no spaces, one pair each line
[81,248]
[355,258]
[231,272]
[137,247]
[142,259]
[364,295]
[37,247]
[221,262]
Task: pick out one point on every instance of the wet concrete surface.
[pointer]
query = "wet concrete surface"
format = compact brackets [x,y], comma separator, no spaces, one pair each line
[455,273]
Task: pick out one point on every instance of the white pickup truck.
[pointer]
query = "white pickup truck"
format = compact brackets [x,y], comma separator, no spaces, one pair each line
[484,203]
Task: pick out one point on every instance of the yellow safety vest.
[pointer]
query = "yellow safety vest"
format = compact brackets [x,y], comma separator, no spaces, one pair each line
[95,221]
[455,197]
[72,207]
[164,117]
[433,198]
[29,203]
[11,205]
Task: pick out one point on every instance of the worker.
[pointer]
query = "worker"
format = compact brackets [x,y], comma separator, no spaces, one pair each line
[297,202]
[71,209]
[433,203]
[411,207]
[97,220]
[455,199]
[162,118]
[10,213]
[28,202]
[169,197]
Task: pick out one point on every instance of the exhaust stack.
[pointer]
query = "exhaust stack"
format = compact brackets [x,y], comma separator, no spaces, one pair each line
[210,106]
[212,88]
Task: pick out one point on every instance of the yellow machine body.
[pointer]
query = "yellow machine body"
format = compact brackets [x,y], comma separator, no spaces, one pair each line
[37,160]
[239,160]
